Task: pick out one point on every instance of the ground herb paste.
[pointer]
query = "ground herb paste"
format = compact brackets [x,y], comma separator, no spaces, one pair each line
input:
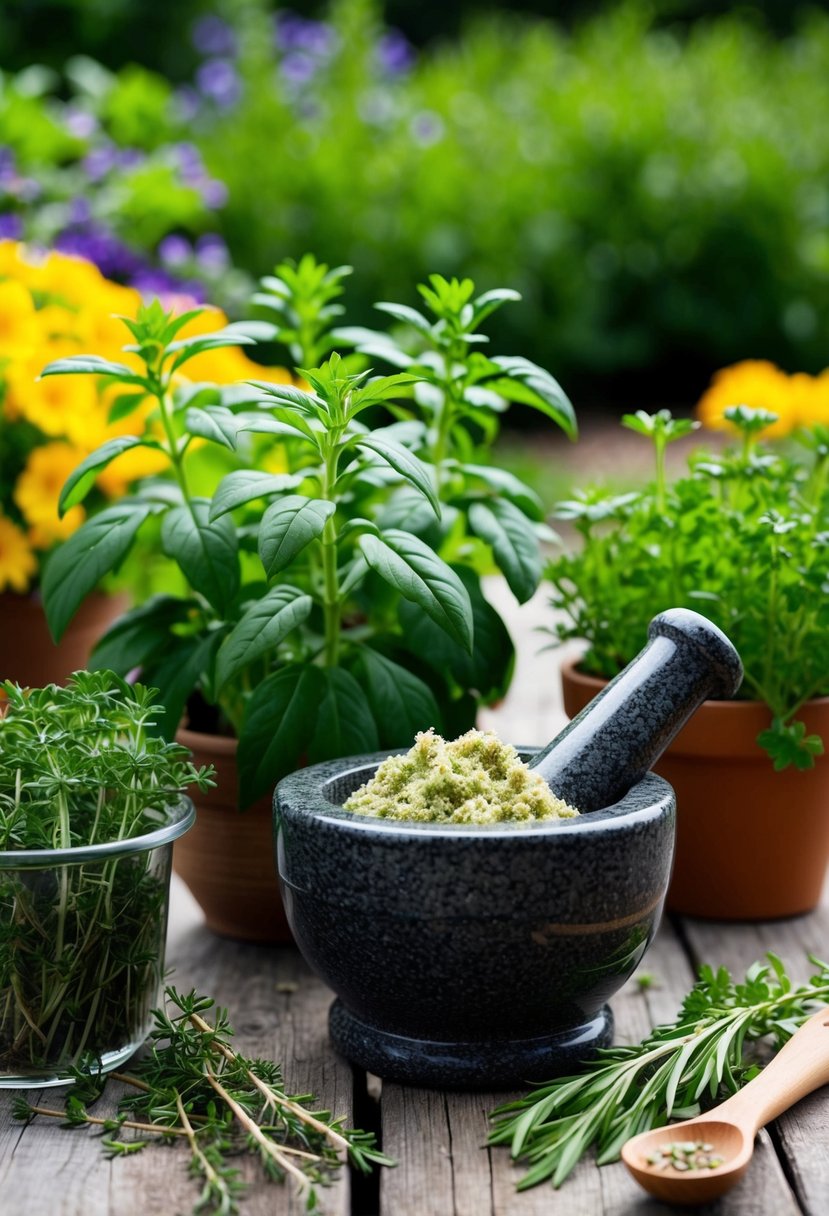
[474,779]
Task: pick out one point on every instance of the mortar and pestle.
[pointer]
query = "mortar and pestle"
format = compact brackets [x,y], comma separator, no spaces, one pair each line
[469,956]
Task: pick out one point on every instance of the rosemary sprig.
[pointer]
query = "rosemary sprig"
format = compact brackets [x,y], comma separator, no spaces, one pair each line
[193,1085]
[679,1069]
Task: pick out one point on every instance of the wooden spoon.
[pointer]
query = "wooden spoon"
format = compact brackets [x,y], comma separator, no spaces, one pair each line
[799,1067]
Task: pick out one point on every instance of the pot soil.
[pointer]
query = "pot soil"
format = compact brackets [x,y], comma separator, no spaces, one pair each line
[227,859]
[29,657]
[752,844]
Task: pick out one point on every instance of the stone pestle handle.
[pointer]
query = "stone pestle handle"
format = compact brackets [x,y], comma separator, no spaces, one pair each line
[624,730]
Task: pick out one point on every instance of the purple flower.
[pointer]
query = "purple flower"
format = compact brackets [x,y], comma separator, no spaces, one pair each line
[298,67]
[295,33]
[219,80]
[212,253]
[80,123]
[80,211]
[100,161]
[395,54]
[97,244]
[175,250]
[8,172]
[188,103]
[212,36]
[190,162]
[11,226]
[214,193]
[131,158]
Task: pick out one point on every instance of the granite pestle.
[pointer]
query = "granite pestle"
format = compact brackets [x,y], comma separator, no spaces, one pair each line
[624,730]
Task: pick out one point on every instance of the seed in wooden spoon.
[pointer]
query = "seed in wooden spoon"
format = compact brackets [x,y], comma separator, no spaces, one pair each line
[685,1155]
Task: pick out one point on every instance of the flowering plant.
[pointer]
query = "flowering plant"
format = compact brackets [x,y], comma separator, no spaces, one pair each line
[330,607]
[742,537]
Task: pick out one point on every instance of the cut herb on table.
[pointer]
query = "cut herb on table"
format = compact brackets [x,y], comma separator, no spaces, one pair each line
[192,1085]
[90,803]
[679,1069]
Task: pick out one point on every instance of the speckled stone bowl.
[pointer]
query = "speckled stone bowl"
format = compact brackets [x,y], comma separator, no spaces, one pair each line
[465,956]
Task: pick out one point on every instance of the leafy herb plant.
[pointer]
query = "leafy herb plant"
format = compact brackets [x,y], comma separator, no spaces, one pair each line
[742,538]
[194,1086]
[331,607]
[81,941]
[681,1068]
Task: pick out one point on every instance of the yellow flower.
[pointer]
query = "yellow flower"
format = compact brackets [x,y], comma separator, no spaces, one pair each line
[61,406]
[17,562]
[755,383]
[19,332]
[38,490]
[813,399]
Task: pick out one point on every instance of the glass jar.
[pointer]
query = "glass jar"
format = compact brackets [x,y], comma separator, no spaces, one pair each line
[82,936]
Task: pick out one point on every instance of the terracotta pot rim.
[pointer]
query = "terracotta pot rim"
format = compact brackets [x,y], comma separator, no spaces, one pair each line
[570,670]
[198,740]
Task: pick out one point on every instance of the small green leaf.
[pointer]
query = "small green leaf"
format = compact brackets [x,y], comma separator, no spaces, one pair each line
[787,743]
[263,625]
[279,721]
[513,542]
[177,673]
[288,526]
[207,552]
[345,725]
[527,382]
[92,365]
[124,405]
[213,422]
[78,565]
[246,485]
[404,462]
[417,572]
[81,480]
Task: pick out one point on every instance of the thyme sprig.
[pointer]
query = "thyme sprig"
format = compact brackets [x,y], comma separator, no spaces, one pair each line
[195,1086]
[679,1069]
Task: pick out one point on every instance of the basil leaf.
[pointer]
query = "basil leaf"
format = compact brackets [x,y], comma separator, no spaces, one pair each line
[405,463]
[81,480]
[288,526]
[245,485]
[79,564]
[527,382]
[140,634]
[422,577]
[279,722]
[401,703]
[206,552]
[514,544]
[345,724]
[262,627]
[214,423]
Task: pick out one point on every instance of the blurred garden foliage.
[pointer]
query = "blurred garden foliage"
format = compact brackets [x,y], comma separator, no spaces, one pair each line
[657,187]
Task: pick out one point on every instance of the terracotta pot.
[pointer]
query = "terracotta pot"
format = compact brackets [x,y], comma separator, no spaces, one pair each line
[752,844]
[227,859]
[27,653]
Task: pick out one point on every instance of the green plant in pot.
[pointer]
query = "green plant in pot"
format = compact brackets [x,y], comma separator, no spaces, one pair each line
[742,537]
[90,803]
[306,602]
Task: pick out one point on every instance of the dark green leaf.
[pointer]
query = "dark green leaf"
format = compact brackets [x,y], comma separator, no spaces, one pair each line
[263,625]
[280,719]
[140,634]
[401,704]
[421,576]
[507,484]
[177,673]
[288,526]
[206,551]
[345,725]
[527,382]
[513,542]
[78,565]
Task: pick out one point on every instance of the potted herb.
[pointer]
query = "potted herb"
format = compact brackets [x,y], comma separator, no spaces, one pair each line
[90,803]
[741,536]
[326,608]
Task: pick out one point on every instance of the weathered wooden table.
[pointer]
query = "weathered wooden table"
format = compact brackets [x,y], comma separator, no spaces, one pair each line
[279,1011]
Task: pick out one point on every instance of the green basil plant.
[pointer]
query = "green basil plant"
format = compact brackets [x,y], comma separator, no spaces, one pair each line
[334,607]
[742,538]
